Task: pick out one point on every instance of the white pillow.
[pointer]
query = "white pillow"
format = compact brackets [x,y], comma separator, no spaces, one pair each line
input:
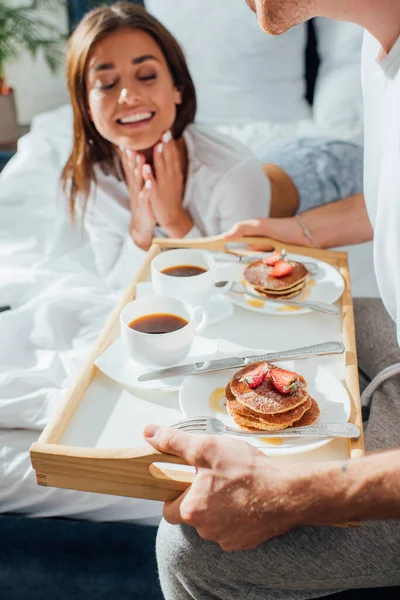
[338,102]
[241,74]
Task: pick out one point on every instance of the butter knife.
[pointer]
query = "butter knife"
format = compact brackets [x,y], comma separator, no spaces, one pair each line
[221,364]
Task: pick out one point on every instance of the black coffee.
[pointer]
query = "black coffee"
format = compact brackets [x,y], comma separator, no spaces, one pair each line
[158,323]
[184,271]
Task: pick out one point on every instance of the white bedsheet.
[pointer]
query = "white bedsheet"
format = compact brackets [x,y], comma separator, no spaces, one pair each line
[59,305]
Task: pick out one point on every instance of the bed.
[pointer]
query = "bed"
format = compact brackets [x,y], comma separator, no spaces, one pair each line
[58,306]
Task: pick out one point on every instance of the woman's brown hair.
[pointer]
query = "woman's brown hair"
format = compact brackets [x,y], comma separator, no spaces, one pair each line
[89,147]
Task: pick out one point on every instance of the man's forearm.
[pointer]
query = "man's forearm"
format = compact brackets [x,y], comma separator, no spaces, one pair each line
[359,489]
[339,223]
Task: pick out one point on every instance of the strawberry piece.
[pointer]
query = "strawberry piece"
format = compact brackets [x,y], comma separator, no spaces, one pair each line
[255,377]
[286,382]
[272,259]
[281,269]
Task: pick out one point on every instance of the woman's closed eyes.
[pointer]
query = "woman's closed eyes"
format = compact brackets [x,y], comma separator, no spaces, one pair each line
[108,86]
[147,77]
[105,86]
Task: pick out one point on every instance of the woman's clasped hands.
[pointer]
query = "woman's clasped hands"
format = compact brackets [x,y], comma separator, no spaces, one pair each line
[156,192]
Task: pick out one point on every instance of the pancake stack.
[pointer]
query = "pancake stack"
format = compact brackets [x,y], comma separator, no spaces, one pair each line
[275,277]
[277,398]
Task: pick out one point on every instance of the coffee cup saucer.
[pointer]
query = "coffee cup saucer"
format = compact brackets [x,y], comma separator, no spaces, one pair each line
[218,307]
[116,364]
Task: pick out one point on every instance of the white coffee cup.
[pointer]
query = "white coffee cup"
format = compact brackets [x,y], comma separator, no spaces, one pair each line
[196,289]
[160,348]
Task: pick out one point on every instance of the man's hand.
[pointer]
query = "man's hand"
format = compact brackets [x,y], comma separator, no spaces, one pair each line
[238,499]
[142,220]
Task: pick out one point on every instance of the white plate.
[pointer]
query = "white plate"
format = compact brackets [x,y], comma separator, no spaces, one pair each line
[218,308]
[116,364]
[327,286]
[329,392]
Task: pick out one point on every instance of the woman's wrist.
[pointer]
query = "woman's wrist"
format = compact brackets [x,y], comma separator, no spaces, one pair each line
[178,225]
[307,234]
[298,232]
[287,230]
[141,239]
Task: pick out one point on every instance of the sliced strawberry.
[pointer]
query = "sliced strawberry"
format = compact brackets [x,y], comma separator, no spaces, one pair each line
[286,382]
[255,377]
[281,269]
[272,259]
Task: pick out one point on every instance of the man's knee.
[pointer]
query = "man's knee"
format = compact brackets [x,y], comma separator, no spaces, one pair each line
[190,567]
[377,346]
[179,556]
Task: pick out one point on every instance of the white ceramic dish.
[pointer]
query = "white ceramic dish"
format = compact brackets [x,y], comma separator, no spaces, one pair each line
[327,286]
[195,399]
[116,364]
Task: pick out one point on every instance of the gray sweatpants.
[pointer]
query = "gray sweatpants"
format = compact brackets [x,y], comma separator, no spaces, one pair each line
[308,562]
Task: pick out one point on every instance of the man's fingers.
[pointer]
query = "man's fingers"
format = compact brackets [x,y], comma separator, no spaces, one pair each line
[234,233]
[195,450]
[254,227]
[172,510]
[168,440]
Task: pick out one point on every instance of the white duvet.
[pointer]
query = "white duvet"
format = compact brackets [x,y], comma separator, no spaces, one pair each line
[59,305]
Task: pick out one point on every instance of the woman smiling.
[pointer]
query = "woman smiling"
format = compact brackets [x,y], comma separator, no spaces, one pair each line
[138,164]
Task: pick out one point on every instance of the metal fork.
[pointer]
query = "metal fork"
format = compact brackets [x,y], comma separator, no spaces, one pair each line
[214,426]
[238,288]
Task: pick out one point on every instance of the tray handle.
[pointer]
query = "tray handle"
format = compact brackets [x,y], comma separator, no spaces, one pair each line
[137,472]
[216,242]
[259,243]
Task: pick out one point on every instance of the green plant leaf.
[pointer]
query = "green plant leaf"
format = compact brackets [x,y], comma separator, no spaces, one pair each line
[27,28]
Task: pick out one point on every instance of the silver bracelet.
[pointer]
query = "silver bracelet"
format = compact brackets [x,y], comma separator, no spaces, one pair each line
[306,232]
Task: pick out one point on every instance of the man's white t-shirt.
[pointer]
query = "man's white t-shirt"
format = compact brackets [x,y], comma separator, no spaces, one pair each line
[381,84]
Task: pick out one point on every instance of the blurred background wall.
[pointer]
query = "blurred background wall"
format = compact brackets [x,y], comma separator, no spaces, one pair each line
[36,88]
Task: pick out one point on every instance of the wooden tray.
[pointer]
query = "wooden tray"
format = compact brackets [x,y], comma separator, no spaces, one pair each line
[138,472]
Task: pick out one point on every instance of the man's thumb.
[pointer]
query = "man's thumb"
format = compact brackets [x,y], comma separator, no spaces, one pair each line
[168,440]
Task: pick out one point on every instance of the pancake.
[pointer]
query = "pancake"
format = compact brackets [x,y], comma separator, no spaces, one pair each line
[283,296]
[298,287]
[309,418]
[258,275]
[249,423]
[278,420]
[266,398]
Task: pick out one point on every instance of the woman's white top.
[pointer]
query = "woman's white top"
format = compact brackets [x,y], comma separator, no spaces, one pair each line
[225,183]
